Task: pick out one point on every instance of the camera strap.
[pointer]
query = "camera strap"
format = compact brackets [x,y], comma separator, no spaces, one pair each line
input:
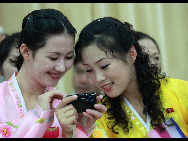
[74,130]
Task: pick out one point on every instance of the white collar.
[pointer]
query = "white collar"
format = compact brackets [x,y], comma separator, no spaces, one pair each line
[146,125]
[20,94]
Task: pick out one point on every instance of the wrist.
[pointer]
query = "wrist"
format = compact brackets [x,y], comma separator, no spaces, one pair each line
[91,128]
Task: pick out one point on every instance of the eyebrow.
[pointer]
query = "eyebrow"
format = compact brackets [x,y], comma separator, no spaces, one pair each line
[60,53]
[97,61]
[155,54]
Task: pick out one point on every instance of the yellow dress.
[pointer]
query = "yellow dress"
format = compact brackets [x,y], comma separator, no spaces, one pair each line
[174,95]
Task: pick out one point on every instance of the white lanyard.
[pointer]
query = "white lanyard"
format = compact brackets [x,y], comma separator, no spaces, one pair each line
[146,125]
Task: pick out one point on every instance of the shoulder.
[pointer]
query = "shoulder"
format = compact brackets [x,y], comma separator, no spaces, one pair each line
[175,89]
[174,85]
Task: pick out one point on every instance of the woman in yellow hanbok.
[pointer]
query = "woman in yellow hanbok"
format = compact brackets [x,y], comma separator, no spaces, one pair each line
[141,102]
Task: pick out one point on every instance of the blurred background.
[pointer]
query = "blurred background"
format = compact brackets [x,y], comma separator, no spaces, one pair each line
[167,23]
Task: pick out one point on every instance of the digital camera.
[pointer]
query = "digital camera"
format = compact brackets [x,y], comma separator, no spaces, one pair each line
[84,101]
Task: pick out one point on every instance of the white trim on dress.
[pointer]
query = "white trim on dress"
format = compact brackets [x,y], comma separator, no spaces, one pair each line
[147,124]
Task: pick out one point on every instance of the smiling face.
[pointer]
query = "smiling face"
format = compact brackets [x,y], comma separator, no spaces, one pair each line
[111,75]
[52,61]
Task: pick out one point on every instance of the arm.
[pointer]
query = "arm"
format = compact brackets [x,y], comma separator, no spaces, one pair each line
[35,123]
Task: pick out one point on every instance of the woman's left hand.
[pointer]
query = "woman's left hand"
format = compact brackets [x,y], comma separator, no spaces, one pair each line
[93,115]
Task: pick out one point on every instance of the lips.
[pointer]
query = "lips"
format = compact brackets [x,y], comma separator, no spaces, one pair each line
[108,87]
[54,75]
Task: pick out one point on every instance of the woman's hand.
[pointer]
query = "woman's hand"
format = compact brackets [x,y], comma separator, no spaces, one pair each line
[67,115]
[45,100]
[93,115]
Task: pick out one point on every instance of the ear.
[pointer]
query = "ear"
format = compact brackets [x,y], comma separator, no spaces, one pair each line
[25,51]
[132,54]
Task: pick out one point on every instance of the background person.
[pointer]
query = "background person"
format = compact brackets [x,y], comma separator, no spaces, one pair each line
[8,55]
[152,47]
[2,37]
[81,82]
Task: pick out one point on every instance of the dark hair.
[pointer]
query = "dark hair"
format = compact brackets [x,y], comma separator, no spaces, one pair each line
[77,60]
[39,25]
[6,45]
[116,37]
[142,35]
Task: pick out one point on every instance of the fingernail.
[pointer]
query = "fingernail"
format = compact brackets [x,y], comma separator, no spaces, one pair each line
[75,96]
[96,105]
[88,110]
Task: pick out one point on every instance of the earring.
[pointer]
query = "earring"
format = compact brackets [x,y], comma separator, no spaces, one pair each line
[133,59]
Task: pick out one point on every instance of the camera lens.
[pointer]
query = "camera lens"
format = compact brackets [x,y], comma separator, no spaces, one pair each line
[90,98]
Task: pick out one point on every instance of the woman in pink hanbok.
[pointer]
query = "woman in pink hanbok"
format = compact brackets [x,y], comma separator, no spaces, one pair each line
[30,106]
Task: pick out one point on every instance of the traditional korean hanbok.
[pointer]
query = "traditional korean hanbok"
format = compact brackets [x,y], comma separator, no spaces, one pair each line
[175,102]
[17,122]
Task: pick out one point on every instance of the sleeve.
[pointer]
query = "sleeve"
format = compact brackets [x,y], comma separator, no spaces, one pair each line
[35,123]
[100,131]
[84,133]
[180,89]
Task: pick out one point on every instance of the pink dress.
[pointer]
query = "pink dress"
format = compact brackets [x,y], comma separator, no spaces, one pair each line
[17,122]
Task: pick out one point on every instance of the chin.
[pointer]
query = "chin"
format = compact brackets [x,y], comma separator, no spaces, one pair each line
[51,84]
[112,95]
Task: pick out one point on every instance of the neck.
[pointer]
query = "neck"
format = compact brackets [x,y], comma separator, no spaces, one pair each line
[132,92]
[28,85]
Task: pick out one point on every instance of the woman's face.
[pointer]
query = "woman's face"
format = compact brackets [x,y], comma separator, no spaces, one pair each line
[52,61]
[153,51]
[109,74]
[8,67]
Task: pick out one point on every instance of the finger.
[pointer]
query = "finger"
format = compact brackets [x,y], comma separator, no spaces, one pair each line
[55,94]
[92,113]
[101,108]
[99,98]
[66,100]
[69,121]
[67,108]
[89,117]
[67,111]
[70,113]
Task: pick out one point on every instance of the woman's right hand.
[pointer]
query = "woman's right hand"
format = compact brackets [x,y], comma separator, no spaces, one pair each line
[67,115]
[45,100]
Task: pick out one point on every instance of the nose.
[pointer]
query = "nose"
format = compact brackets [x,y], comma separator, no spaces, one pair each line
[100,77]
[84,78]
[60,66]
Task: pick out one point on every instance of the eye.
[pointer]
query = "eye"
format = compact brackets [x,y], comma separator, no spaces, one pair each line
[156,58]
[69,58]
[89,70]
[53,59]
[104,66]
[12,61]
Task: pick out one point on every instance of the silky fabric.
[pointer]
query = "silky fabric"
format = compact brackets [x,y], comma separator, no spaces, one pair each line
[17,122]
[174,97]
